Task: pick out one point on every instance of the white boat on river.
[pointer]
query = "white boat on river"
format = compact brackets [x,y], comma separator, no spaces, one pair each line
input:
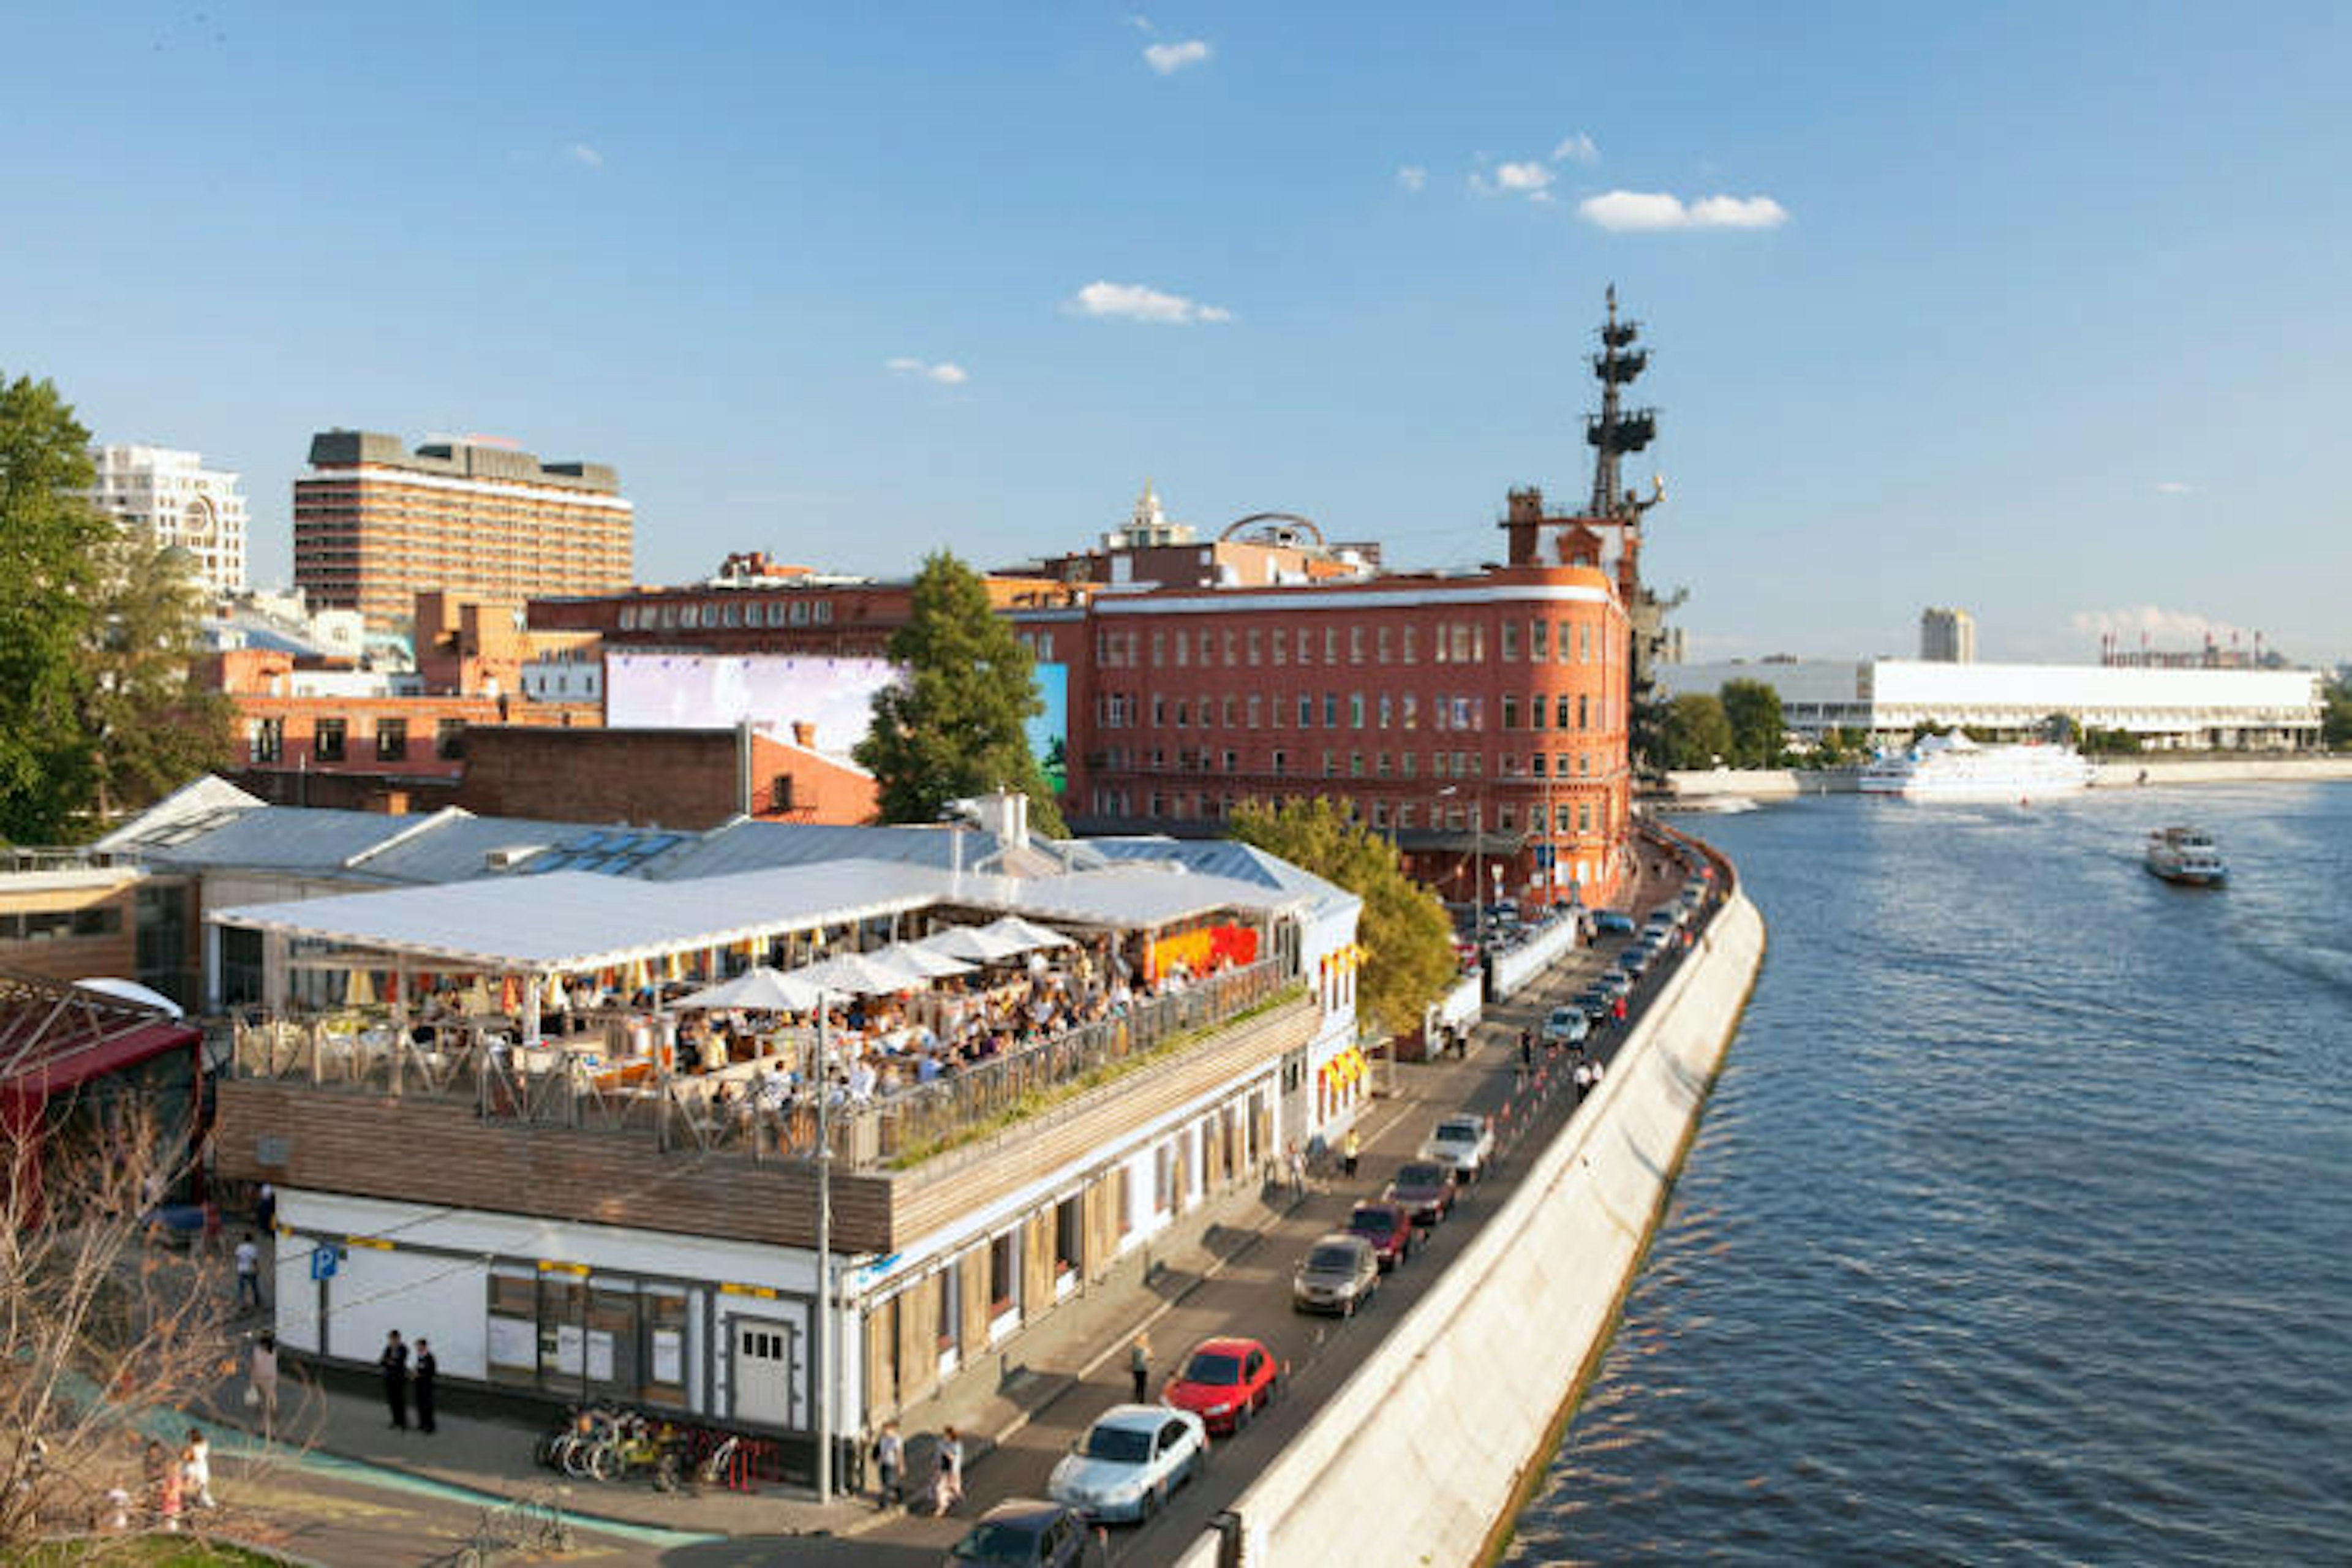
[1953,767]
[2187,855]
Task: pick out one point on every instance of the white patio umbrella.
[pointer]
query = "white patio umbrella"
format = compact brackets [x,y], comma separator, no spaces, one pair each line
[131,990]
[1013,928]
[759,990]
[974,944]
[923,963]
[855,974]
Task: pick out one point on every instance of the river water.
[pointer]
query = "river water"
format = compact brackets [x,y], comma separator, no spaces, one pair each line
[2019,1225]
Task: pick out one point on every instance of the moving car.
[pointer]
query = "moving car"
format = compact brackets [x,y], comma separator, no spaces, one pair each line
[1388,1227]
[1129,1461]
[1616,983]
[1613,922]
[1225,1382]
[1425,1189]
[1338,1274]
[1568,1026]
[1462,1141]
[1596,1001]
[1022,1533]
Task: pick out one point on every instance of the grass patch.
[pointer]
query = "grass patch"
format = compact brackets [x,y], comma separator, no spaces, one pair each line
[1039,1101]
[142,1551]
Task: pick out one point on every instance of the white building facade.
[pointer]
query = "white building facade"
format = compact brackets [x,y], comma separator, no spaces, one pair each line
[1887,698]
[180,504]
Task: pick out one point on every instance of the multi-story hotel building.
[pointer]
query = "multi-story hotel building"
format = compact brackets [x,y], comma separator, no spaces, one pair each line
[179,504]
[1947,636]
[375,523]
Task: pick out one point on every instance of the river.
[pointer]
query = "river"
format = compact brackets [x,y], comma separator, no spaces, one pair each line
[2019,1225]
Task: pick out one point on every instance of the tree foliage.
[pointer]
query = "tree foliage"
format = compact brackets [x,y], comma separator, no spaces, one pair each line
[951,726]
[151,726]
[2336,723]
[50,537]
[1407,938]
[1758,732]
[1695,733]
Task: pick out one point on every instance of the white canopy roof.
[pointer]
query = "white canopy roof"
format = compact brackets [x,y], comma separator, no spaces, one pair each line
[567,922]
[759,989]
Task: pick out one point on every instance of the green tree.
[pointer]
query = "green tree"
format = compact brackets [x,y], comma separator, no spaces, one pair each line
[1407,938]
[2336,721]
[1694,733]
[152,725]
[49,540]
[2061,730]
[1757,730]
[952,724]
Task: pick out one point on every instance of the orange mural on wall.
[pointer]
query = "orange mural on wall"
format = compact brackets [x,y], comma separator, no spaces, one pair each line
[1200,951]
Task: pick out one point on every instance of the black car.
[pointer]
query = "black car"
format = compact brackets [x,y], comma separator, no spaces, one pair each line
[1022,1533]
[1598,1003]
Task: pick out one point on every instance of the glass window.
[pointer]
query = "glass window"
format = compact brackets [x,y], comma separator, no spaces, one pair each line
[327,740]
[265,740]
[391,740]
[1355,711]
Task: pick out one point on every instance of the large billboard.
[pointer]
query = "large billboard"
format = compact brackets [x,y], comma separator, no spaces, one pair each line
[719,692]
[1049,732]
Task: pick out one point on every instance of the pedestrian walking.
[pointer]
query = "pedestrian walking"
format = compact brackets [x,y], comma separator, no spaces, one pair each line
[1528,1049]
[1138,1366]
[1583,1081]
[170,1483]
[264,1208]
[261,1379]
[248,1273]
[394,1364]
[427,1370]
[1351,1148]
[890,1464]
[947,1482]
[1298,1163]
[196,1470]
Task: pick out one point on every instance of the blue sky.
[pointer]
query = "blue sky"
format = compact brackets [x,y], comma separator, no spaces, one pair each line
[2038,310]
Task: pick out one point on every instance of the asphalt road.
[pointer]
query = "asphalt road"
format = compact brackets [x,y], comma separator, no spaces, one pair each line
[1251,1295]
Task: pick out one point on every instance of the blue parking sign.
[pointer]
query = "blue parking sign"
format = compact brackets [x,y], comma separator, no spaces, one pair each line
[323,1263]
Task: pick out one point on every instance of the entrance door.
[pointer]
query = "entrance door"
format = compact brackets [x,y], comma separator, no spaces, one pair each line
[766,1370]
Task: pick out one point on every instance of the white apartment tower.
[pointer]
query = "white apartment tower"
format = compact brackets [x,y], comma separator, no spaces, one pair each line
[1947,636]
[177,501]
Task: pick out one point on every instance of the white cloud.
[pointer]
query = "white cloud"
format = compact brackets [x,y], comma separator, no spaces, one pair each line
[2172,488]
[1412,176]
[944,373]
[1622,212]
[2163,628]
[1135,302]
[1577,149]
[585,155]
[1136,19]
[1170,59]
[1529,178]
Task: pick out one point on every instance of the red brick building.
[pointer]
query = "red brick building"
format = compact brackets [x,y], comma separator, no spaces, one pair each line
[668,778]
[1438,709]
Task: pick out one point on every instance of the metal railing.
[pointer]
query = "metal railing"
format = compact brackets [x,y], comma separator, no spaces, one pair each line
[552,1087]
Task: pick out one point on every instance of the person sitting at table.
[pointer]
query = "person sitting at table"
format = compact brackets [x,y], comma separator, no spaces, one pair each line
[716,1053]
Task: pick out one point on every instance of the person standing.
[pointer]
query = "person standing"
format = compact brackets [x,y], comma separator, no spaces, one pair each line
[394,1363]
[264,1208]
[248,1273]
[426,1370]
[948,1491]
[261,1374]
[196,1470]
[890,1465]
[1138,1366]
[1352,1149]
[1297,1178]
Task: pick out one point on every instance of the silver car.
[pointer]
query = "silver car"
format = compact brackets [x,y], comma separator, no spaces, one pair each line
[1338,1275]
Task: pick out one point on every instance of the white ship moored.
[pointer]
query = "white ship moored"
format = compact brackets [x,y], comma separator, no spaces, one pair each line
[1953,767]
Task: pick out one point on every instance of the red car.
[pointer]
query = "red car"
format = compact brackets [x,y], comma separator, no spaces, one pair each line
[1389,1228]
[1225,1382]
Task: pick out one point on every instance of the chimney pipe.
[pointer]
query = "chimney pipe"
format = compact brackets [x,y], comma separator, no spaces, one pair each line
[804,734]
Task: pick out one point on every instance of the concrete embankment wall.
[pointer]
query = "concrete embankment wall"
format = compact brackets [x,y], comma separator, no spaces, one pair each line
[1422,1452]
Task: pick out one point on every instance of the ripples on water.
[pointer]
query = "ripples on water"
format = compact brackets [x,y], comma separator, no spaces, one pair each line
[2019,1226]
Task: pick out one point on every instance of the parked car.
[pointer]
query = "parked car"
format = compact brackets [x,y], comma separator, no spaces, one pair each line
[1426,1189]
[1023,1532]
[1388,1227]
[1129,1461]
[1613,922]
[1636,958]
[1338,1274]
[1462,1141]
[1225,1382]
[1568,1026]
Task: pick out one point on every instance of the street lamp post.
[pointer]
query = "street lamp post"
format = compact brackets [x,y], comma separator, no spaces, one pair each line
[824,1266]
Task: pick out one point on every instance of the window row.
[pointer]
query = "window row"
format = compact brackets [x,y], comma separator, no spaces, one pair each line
[1579,641]
[733,612]
[1356,710]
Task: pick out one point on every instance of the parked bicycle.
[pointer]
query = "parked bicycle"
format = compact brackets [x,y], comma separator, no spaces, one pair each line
[535,1524]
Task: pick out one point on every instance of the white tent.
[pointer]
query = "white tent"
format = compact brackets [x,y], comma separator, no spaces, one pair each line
[131,990]
[760,990]
[923,963]
[1029,935]
[972,943]
[855,974]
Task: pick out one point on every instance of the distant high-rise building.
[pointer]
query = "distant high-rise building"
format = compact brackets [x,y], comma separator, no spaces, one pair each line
[1947,636]
[375,524]
[178,502]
